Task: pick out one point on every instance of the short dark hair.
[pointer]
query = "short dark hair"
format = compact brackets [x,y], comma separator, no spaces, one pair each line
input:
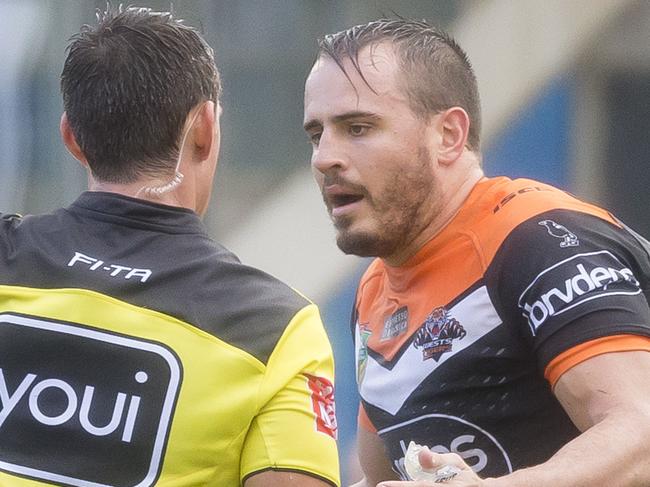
[128,84]
[436,72]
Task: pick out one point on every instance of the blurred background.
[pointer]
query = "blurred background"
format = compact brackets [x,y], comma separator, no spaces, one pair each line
[565,88]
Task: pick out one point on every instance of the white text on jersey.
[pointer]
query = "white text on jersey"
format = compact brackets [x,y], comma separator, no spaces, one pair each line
[115,269]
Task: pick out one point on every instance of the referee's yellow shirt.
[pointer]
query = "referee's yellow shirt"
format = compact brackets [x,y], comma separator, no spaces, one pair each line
[135,351]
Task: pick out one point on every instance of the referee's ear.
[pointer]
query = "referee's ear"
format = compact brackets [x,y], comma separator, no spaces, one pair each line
[70,140]
[203,131]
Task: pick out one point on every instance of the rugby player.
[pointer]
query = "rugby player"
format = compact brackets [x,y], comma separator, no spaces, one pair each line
[504,323]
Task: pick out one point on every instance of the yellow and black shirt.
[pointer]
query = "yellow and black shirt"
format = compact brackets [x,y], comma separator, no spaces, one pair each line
[134,350]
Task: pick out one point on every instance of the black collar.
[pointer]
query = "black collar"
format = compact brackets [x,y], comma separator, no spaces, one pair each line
[121,209]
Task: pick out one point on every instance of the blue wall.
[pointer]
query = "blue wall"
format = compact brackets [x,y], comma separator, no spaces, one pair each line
[536,144]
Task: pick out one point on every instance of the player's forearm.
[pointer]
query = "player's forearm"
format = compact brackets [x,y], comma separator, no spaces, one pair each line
[614,452]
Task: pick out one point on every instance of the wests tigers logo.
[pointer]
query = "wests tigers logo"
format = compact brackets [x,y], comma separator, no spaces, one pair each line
[436,335]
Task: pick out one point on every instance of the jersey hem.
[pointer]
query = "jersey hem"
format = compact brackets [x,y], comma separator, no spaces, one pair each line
[295,470]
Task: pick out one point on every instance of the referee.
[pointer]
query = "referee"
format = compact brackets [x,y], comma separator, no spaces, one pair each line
[135,350]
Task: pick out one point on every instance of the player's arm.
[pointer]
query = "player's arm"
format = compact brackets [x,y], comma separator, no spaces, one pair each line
[372,457]
[272,478]
[608,398]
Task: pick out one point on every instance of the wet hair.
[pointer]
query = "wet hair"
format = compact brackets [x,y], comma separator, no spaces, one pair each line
[128,85]
[435,71]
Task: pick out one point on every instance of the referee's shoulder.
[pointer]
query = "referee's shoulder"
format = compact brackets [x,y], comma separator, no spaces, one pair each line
[254,307]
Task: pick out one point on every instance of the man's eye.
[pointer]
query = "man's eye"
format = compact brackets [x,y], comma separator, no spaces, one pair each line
[315,138]
[358,130]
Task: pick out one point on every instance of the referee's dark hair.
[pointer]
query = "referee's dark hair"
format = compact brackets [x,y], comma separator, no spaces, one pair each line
[128,84]
[436,72]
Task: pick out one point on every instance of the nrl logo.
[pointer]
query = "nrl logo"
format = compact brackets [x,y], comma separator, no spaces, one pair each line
[362,353]
[436,335]
[569,239]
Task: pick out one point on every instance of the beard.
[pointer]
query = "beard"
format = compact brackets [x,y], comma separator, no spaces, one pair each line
[401,210]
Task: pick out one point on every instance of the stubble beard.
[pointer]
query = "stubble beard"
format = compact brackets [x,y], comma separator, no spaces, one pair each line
[401,211]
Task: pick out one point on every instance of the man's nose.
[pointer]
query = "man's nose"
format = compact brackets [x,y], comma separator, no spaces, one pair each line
[328,156]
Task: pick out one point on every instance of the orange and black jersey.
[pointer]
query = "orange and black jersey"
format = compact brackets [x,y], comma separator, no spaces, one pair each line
[459,348]
[136,351]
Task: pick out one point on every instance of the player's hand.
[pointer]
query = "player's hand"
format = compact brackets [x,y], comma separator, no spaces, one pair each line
[433,462]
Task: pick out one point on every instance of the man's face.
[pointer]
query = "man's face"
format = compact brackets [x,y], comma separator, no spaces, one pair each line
[372,158]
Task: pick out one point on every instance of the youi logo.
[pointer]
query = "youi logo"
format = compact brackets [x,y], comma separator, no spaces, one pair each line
[40,394]
[83,407]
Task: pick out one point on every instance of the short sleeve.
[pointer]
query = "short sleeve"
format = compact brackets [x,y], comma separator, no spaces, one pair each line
[295,429]
[563,278]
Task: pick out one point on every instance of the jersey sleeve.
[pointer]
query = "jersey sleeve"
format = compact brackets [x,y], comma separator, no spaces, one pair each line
[565,278]
[296,429]
[572,357]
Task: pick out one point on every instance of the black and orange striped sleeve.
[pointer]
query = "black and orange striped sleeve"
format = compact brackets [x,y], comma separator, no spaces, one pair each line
[567,278]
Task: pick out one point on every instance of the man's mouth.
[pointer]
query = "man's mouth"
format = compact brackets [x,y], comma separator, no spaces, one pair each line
[342,197]
[341,200]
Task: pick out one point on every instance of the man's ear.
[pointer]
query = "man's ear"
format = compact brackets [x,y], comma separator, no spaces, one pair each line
[70,140]
[203,131]
[454,128]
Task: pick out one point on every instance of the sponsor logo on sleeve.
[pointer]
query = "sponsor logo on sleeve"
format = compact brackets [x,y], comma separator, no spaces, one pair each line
[322,401]
[437,334]
[83,407]
[574,281]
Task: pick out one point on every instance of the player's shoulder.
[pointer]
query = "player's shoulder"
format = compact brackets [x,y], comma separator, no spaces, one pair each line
[507,204]
[519,199]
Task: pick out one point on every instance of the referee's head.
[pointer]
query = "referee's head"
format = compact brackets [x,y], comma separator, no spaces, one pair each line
[129,83]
